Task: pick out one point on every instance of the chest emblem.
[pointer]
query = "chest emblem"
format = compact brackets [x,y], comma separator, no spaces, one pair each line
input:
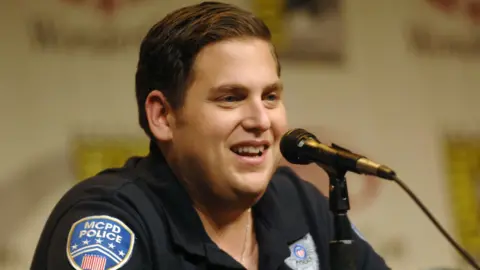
[303,255]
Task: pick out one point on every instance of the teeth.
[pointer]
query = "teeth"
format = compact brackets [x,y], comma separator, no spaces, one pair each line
[249,149]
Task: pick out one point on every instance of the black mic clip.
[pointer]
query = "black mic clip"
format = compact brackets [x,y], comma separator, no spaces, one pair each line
[342,250]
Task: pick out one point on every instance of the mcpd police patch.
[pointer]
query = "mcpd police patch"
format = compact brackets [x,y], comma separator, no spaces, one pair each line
[99,243]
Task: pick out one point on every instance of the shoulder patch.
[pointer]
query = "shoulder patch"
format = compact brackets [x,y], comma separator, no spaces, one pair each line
[99,243]
[303,255]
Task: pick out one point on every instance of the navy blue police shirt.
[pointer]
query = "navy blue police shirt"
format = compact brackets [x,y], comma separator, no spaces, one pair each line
[140,217]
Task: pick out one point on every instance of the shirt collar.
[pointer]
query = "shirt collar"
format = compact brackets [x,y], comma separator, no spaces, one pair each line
[184,223]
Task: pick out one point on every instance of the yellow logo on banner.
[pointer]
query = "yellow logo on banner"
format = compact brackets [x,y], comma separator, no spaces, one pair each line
[463,156]
[93,154]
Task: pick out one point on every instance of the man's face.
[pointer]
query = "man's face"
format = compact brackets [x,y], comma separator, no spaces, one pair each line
[226,136]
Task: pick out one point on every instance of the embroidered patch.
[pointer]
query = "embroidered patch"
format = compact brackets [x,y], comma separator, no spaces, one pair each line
[99,243]
[303,255]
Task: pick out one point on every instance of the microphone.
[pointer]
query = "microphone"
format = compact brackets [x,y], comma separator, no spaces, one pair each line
[299,146]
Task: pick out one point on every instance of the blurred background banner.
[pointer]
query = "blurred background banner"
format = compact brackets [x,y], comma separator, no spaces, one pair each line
[463,167]
[446,27]
[310,30]
[99,26]
[302,29]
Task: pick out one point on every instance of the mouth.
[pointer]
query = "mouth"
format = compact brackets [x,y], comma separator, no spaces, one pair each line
[247,150]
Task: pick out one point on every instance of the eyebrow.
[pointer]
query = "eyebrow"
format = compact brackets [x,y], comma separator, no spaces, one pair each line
[276,86]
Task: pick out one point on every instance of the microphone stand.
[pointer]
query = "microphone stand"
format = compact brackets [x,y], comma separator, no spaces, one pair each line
[342,250]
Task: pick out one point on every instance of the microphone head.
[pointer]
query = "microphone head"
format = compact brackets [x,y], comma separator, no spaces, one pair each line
[289,145]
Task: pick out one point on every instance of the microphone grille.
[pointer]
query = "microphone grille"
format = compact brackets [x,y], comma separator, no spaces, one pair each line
[289,145]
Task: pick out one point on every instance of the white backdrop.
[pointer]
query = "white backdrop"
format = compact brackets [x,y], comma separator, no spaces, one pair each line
[384,98]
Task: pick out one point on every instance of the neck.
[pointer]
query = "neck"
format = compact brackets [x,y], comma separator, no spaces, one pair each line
[232,232]
[221,221]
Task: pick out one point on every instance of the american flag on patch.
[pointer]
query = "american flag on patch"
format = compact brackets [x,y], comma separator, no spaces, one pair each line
[93,262]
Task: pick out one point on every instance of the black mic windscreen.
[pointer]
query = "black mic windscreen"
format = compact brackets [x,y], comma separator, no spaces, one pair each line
[289,145]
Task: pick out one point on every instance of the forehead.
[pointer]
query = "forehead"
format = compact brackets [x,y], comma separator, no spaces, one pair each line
[249,62]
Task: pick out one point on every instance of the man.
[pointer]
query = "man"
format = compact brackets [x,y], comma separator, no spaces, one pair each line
[209,195]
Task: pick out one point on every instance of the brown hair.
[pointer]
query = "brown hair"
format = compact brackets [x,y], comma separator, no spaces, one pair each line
[169,49]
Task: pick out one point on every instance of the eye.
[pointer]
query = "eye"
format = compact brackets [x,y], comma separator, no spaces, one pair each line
[230,101]
[230,98]
[271,100]
[271,97]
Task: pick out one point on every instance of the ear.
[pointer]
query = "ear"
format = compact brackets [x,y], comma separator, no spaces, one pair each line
[159,116]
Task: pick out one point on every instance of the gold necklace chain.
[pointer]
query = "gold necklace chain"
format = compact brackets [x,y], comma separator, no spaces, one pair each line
[247,230]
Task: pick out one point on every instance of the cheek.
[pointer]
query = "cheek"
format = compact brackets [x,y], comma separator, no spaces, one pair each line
[218,125]
[279,123]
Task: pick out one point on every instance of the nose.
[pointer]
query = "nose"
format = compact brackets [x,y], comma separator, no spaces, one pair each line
[257,118]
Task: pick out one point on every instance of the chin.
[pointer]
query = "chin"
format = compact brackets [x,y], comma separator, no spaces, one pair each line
[254,182]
